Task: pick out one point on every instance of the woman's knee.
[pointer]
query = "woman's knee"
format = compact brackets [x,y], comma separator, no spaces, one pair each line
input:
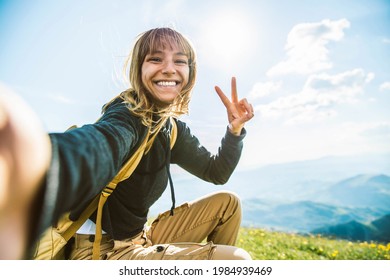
[228,197]
[224,252]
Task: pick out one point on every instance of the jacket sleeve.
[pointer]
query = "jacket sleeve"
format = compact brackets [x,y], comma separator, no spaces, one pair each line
[196,159]
[85,159]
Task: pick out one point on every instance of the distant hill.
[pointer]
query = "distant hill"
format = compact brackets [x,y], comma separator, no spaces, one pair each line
[378,230]
[302,216]
[360,199]
[361,191]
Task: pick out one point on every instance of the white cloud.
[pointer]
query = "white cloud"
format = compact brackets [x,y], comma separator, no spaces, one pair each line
[376,129]
[384,86]
[343,86]
[273,143]
[306,47]
[264,89]
[372,136]
[318,98]
[386,40]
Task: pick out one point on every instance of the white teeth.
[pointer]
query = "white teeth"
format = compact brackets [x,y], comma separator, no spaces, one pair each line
[166,83]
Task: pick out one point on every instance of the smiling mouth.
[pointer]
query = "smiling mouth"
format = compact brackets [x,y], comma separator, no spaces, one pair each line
[167,83]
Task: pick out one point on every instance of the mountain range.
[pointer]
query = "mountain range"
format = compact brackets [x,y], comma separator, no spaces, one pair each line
[378,230]
[303,216]
[329,194]
[356,208]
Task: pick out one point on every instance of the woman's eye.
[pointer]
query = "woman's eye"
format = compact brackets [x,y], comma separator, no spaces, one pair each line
[155,59]
[181,62]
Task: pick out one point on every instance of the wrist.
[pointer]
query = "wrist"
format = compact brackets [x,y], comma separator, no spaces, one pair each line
[234,131]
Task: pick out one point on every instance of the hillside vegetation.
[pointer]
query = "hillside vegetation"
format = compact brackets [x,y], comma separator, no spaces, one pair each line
[378,230]
[268,245]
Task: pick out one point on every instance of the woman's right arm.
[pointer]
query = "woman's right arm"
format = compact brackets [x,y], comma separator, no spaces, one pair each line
[42,176]
[85,159]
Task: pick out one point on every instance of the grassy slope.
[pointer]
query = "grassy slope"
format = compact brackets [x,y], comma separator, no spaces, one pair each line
[268,245]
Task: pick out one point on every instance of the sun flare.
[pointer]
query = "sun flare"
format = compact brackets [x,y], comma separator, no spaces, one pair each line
[229,37]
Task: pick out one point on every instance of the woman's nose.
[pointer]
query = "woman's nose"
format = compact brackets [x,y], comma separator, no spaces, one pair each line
[169,68]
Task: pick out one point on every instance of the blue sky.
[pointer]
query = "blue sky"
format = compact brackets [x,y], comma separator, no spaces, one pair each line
[317,72]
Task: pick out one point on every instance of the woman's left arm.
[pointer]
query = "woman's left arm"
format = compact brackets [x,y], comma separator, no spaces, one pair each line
[189,154]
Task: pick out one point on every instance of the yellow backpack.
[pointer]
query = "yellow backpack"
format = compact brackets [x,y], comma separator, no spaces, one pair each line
[52,243]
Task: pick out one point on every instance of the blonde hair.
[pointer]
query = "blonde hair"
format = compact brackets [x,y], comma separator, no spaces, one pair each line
[137,95]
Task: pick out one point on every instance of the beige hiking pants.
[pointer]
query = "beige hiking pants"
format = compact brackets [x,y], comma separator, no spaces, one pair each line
[213,219]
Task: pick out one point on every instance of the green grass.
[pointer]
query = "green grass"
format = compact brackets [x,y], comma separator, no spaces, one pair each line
[268,245]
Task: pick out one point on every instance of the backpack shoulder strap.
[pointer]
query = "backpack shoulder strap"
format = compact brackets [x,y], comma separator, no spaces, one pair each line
[99,201]
[173,131]
[123,174]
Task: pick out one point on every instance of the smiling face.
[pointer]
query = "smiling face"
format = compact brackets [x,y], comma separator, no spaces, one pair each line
[164,73]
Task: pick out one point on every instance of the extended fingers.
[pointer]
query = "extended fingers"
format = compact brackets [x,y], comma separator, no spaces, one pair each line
[234,90]
[223,97]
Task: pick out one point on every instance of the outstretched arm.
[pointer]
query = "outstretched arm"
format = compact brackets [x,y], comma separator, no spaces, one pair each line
[24,159]
[239,111]
[193,157]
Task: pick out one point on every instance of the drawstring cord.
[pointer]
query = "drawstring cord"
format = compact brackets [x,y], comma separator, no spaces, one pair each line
[172,189]
[168,162]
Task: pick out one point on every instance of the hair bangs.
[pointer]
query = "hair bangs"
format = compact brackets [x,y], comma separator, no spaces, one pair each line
[166,38]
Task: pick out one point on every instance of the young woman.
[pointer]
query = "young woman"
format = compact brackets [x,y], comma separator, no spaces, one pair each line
[162,74]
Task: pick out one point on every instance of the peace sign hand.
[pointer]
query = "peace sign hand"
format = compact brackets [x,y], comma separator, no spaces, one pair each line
[239,112]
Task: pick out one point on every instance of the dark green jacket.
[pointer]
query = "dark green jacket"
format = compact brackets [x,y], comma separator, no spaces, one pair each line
[87,158]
